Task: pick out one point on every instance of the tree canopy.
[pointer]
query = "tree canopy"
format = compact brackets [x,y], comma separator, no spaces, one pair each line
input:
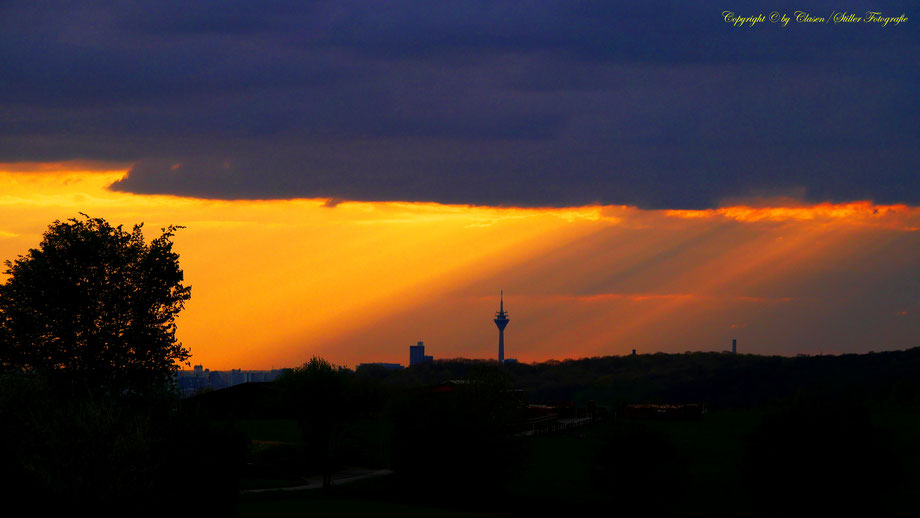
[318,393]
[95,305]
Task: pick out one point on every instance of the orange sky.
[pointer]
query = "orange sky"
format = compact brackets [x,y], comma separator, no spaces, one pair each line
[275,282]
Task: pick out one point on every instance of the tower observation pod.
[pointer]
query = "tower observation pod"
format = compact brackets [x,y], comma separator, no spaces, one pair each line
[501,320]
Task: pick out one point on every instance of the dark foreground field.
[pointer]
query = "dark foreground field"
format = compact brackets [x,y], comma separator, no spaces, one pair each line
[750,436]
[727,463]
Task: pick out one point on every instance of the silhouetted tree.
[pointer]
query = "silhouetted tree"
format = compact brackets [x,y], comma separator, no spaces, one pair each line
[66,454]
[94,306]
[821,456]
[634,466]
[318,393]
[463,430]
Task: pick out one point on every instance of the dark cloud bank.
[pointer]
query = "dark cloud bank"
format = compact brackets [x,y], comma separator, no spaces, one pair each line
[499,103]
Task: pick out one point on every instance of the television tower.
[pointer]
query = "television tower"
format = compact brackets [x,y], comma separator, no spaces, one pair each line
[501,320]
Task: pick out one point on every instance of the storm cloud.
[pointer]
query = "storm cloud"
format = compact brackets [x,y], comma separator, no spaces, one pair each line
[663,105]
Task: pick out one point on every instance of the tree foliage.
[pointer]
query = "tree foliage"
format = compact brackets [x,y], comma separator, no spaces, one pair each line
[83,454]
[95,305]
[467,425]
[319,394]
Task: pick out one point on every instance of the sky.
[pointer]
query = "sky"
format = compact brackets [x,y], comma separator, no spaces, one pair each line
[357,176]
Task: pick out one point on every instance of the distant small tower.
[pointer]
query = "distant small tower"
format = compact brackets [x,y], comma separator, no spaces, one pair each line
[501,320]
[734,346]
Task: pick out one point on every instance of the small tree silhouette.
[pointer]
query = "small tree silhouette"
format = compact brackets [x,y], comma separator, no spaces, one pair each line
[318,393]
[94,306]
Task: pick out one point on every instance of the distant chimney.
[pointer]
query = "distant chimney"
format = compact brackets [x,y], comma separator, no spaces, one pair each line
[734,346]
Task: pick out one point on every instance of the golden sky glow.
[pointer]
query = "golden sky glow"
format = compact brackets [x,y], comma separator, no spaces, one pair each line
[274,282]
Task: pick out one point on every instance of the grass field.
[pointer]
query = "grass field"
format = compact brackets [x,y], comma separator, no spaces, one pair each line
[310,505]
[693,461]
[685,467]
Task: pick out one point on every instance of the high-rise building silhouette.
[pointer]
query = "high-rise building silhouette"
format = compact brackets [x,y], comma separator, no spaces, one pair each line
[501,320]
[417,354]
